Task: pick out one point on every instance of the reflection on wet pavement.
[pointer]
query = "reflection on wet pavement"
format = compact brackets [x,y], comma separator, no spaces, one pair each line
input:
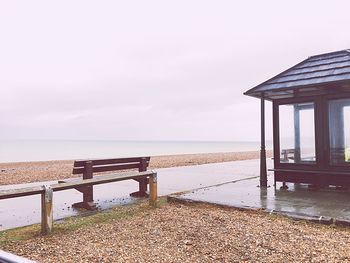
[298,200]
[22,211]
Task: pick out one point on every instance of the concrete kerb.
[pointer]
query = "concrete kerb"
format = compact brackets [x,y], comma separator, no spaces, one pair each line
[324,220]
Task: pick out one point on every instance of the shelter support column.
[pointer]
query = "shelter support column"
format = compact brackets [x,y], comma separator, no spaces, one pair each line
[263,171]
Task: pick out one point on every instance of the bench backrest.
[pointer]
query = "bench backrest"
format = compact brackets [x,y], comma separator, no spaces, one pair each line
[88,167]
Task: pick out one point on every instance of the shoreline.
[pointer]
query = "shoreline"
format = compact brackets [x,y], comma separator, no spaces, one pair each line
[29,172]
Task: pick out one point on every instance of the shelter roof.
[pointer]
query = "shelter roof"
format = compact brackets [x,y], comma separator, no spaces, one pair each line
[309,76]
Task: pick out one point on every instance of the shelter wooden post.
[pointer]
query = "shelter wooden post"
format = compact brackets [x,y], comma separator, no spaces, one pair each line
[263,171]
[46,210]
[153,195]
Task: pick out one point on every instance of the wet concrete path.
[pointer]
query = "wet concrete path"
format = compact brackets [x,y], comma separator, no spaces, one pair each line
[23,211]
[329,205]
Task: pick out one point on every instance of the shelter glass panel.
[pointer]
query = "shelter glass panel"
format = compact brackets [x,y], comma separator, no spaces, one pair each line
[297,133]
[339,131]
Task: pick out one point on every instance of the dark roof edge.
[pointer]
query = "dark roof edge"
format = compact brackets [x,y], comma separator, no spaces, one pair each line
[261,84]
[256,94]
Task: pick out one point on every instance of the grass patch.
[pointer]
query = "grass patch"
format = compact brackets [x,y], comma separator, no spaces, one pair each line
[19,234]
[79,222]
[347,155]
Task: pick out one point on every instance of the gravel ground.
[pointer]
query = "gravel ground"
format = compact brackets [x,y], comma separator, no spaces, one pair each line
[192,233]
[27,172]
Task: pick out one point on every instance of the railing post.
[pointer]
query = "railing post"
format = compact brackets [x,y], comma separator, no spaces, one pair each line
[153,195]
[46,210]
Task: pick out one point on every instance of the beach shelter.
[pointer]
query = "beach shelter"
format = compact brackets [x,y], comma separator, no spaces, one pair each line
[311,121]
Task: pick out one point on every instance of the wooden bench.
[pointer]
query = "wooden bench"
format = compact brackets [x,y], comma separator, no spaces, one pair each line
[46,192]
[287,154]
[89,168]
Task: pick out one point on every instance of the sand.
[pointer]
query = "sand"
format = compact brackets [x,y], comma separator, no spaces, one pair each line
[27,172]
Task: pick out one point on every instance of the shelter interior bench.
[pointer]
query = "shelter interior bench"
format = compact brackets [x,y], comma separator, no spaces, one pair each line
[89,168]
[316,178]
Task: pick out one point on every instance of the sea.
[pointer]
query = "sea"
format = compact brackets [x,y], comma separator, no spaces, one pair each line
[45,150]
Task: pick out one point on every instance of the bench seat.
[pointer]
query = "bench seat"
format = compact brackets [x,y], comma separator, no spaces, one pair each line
[73,183]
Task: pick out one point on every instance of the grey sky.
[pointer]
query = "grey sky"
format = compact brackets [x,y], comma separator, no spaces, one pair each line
[152,70]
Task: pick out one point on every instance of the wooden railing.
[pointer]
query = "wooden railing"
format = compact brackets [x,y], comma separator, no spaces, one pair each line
[46,192]
[6,257]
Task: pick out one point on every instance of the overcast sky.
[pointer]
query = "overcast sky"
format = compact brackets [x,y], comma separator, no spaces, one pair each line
[152,70]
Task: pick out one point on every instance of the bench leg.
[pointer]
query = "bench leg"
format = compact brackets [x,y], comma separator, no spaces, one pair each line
[46,211]
[153,195]
[284,186]
[88,191]
[88,198]
[142,192]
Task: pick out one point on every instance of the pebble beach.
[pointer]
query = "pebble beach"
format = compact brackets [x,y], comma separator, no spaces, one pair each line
[172,232]
[189,233]
[28,172]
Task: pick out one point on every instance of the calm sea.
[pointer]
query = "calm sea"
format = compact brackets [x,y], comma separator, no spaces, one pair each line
[42,150]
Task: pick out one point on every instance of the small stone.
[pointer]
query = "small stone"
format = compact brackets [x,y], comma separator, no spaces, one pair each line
[188,242]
